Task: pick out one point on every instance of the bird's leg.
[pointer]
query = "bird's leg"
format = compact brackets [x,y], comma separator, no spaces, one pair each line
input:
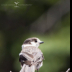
[37,70]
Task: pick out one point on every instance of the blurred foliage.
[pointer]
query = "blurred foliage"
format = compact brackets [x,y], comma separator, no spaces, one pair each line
[2,45]
[15,28]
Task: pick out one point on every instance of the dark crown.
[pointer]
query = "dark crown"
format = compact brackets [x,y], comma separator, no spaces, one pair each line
[29,40]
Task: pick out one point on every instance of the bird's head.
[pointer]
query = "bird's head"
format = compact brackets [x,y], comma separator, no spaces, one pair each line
[32,42]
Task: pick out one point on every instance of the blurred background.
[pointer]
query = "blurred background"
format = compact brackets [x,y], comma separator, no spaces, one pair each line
[49,20]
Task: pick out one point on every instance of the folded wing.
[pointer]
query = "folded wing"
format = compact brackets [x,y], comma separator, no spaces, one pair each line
[31,56]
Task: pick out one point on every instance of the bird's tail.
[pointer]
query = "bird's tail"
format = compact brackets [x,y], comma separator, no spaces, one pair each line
[26,68]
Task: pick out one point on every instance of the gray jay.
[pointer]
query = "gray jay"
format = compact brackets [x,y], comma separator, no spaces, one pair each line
[31,57]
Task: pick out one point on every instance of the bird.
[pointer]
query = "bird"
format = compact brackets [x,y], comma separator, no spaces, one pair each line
[31,57]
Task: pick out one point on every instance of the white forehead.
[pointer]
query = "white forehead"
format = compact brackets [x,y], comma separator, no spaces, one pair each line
[38,39]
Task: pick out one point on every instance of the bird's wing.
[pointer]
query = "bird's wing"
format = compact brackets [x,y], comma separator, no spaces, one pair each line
[32,53]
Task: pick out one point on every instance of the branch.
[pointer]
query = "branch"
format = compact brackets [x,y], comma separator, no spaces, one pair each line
[68,70]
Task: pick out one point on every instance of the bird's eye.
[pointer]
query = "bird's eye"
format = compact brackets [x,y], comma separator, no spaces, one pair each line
[35,40]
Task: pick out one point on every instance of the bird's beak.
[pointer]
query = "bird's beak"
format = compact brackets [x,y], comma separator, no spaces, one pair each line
[41,42]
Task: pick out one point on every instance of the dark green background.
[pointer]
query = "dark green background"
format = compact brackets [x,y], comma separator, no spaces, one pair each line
[15,28]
